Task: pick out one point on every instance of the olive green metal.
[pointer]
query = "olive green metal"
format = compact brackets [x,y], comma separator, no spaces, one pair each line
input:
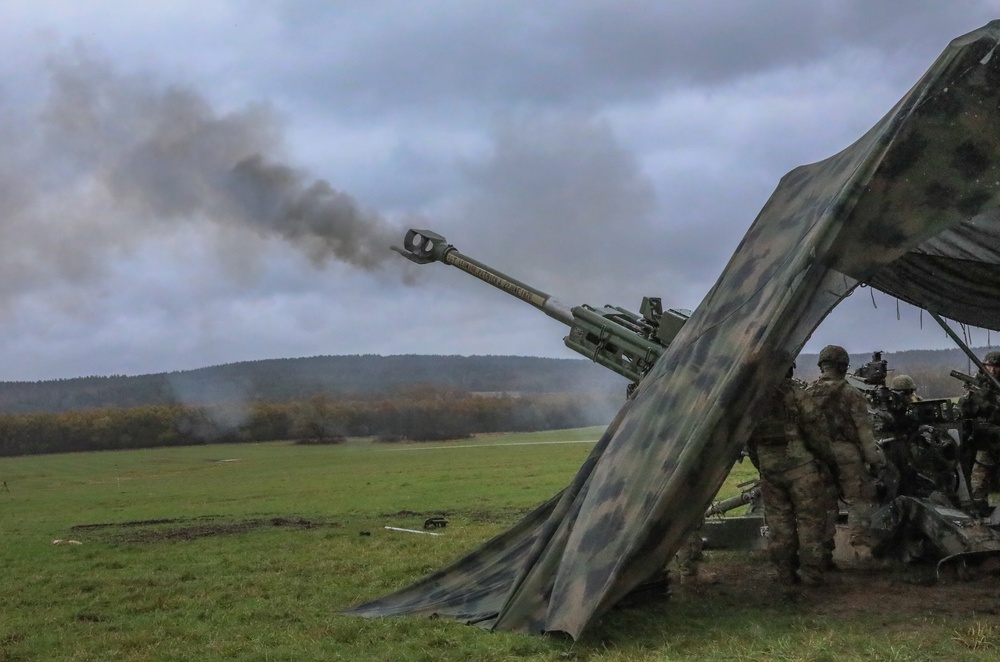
[424,247]
[612,337]
[616,338]
[750,495]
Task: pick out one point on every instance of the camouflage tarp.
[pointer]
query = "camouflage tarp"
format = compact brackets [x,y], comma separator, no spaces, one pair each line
[911,208]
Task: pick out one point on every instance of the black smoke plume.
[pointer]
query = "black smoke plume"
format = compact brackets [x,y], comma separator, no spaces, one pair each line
[107,161]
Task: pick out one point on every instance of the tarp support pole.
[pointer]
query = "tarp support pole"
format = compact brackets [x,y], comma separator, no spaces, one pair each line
[965,348]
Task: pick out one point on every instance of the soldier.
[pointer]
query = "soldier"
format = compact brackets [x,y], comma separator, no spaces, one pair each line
[790,445]
[689,558]
[981,411]
[906,388]
[853,442]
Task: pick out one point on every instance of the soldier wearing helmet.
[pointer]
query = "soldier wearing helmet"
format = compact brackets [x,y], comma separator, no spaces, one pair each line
[853,443]
[992,363]
[790,445]
[904,386]
[836,356]
[980,406]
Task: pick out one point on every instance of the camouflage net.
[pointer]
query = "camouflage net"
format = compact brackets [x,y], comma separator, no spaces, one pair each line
[911,208]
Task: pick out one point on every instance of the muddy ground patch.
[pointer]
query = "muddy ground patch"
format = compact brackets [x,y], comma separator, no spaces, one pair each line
[192,528]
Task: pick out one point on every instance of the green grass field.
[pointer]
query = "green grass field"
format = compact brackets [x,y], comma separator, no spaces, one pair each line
[247,552]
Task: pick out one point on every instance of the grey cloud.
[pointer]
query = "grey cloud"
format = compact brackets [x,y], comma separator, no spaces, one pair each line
[602,151]
[557,198]
[583,54]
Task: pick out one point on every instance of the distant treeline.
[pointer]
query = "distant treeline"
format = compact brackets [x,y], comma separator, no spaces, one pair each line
[290,380]
[416,414]
[325,399]
[287,380]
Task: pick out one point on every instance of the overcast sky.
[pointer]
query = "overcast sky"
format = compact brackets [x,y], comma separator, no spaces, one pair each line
[185,184]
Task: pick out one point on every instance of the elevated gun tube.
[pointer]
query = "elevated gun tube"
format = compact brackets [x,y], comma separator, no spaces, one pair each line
[424,247]
[964,378]
[613,337]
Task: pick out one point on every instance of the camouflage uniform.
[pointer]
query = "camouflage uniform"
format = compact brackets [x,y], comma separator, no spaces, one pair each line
[981,409]
[791,446]
[853,442]
[689,556]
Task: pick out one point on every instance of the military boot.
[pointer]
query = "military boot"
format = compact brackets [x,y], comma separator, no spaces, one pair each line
[787,574]
[811,576]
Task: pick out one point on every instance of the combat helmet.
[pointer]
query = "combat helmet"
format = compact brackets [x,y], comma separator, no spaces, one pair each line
[834,354]
[992,358]
[903,383]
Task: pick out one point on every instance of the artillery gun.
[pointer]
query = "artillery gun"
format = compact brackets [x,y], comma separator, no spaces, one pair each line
[923,515]
[930,514]
[618,339]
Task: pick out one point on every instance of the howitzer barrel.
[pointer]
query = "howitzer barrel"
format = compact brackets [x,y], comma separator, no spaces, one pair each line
[622,341]
[424,246]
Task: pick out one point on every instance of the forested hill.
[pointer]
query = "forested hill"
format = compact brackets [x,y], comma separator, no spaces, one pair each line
[280,380]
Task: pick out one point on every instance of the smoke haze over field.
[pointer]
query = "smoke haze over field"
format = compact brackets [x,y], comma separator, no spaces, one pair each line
[192,184]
